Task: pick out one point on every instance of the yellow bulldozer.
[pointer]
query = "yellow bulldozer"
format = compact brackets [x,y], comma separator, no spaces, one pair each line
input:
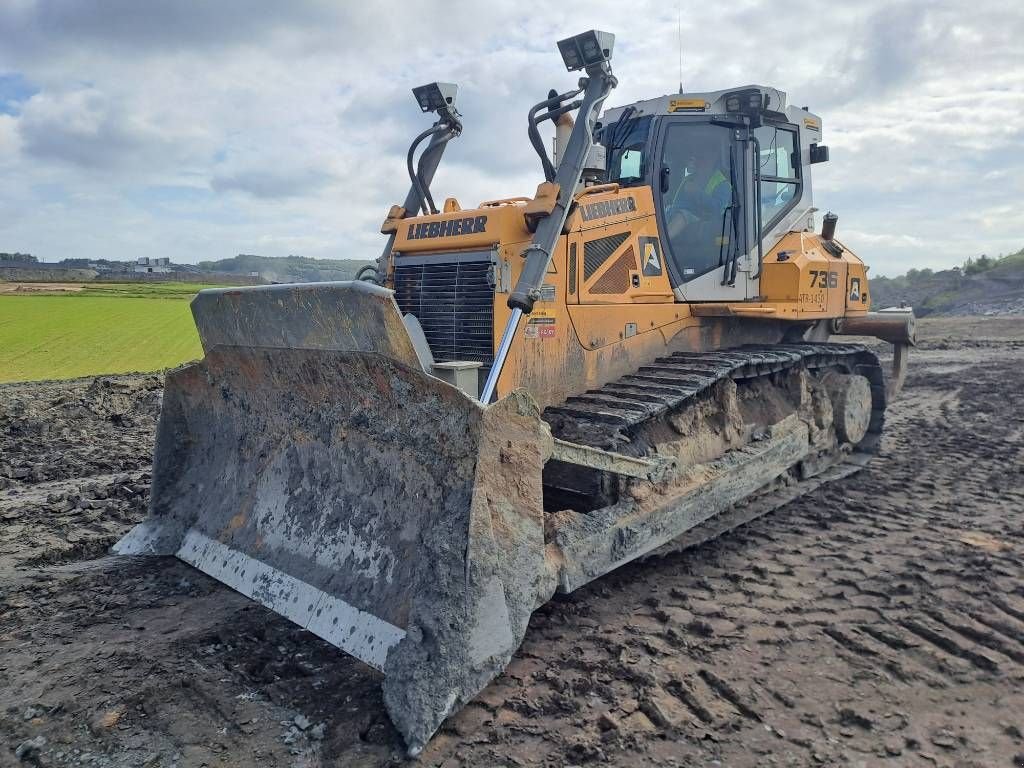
[519,397]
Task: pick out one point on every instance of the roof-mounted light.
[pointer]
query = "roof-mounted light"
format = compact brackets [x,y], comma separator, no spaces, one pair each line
[586,50]
[750,101]
[436,97]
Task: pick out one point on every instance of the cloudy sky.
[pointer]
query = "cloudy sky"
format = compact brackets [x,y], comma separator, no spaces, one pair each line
[199,130]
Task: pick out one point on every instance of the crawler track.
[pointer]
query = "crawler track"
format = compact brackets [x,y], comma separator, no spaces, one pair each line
[608,417]
[614,415]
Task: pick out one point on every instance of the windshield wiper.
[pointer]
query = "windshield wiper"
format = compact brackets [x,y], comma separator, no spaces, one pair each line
[733,211]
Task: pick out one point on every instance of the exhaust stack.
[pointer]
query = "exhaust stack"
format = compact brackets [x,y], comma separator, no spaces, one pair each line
[563,130]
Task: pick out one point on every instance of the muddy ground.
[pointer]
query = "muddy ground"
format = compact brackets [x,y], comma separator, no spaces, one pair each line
[878,621]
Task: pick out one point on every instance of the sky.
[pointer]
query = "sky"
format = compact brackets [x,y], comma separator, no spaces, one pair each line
[199,130]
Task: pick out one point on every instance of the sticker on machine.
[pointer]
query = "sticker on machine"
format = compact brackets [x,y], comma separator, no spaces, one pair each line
[540,326]
[650,256]
[854,289]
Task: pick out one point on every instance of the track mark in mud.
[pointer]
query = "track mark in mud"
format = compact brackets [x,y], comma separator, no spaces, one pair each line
[947,644]
[727,692]
[1005,628]
[685,694]
[1008,610]
[984,637]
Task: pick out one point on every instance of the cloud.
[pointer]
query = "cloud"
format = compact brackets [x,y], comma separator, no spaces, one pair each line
[156,25]
[197,130]
[270,183]
[85,129]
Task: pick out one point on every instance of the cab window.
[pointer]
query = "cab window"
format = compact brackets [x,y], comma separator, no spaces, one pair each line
[625,143]
[700,213]
[779,166]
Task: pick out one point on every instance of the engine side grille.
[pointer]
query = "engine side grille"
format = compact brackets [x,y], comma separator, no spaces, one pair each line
[571,280]
[616,278]
[597,251]
[454,302]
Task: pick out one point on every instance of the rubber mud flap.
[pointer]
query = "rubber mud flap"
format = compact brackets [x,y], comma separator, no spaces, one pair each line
[371,503]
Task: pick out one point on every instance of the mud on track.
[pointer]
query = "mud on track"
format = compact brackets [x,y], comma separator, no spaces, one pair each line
[878,621]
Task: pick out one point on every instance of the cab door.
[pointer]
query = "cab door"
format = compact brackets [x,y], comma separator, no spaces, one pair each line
[700,186]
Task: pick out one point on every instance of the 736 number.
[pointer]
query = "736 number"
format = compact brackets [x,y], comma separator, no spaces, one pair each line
[824,279]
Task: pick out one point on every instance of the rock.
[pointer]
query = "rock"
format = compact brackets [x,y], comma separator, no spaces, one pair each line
[29,749]
[1011,730]
[30,712]
[944,739]
[893,747]
[850,717]
[301,722]
[638,722]
[318,731]
[104,721]
[608,722]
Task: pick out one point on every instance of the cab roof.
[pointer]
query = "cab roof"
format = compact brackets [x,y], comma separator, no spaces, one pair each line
[714,102]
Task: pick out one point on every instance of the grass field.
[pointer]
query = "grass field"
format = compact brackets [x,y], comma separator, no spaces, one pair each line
[61,332]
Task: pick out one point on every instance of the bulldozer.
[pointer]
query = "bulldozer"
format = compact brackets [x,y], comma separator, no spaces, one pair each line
[517,398]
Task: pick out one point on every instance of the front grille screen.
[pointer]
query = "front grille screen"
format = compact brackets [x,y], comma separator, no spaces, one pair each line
[454,302]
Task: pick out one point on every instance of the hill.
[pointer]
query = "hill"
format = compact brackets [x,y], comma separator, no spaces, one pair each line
[983,286]
[287,269]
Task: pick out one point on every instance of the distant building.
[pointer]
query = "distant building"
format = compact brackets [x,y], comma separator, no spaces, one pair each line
[146,264]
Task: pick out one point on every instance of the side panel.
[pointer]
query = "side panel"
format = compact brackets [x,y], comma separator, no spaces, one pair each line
[620,257]
[802,280]
[857,298]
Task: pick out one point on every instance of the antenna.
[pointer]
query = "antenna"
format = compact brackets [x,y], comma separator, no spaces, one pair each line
[679,31]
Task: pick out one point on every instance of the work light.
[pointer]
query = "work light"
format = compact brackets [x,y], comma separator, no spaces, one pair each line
[433,97]
[587,49]
[751,100]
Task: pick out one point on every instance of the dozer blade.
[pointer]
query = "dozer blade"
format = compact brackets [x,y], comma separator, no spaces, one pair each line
[309,463]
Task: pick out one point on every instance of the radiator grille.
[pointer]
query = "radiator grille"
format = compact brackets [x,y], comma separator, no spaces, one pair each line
[454,302]
[597,251]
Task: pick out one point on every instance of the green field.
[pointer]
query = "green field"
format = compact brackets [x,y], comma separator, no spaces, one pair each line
[104,328]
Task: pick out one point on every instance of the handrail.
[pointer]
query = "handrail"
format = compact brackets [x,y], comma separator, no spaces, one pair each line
[505,201]
[612,186]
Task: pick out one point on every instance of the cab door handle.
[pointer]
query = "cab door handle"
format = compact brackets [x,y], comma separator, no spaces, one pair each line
[665,173]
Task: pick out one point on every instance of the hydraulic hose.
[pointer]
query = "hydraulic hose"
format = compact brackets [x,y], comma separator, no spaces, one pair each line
[424,184]
[534,121]
[414,177]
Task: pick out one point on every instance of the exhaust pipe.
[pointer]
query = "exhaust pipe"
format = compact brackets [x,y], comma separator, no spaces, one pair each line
[563,130]
[828,226]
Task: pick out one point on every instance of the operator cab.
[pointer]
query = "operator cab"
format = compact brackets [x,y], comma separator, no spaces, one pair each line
[708,157]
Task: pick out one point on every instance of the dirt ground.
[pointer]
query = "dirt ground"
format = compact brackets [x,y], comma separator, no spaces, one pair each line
[15,287]
[877,621]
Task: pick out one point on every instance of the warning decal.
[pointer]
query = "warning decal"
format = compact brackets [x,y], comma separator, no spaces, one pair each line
[650,256]
[540,326]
